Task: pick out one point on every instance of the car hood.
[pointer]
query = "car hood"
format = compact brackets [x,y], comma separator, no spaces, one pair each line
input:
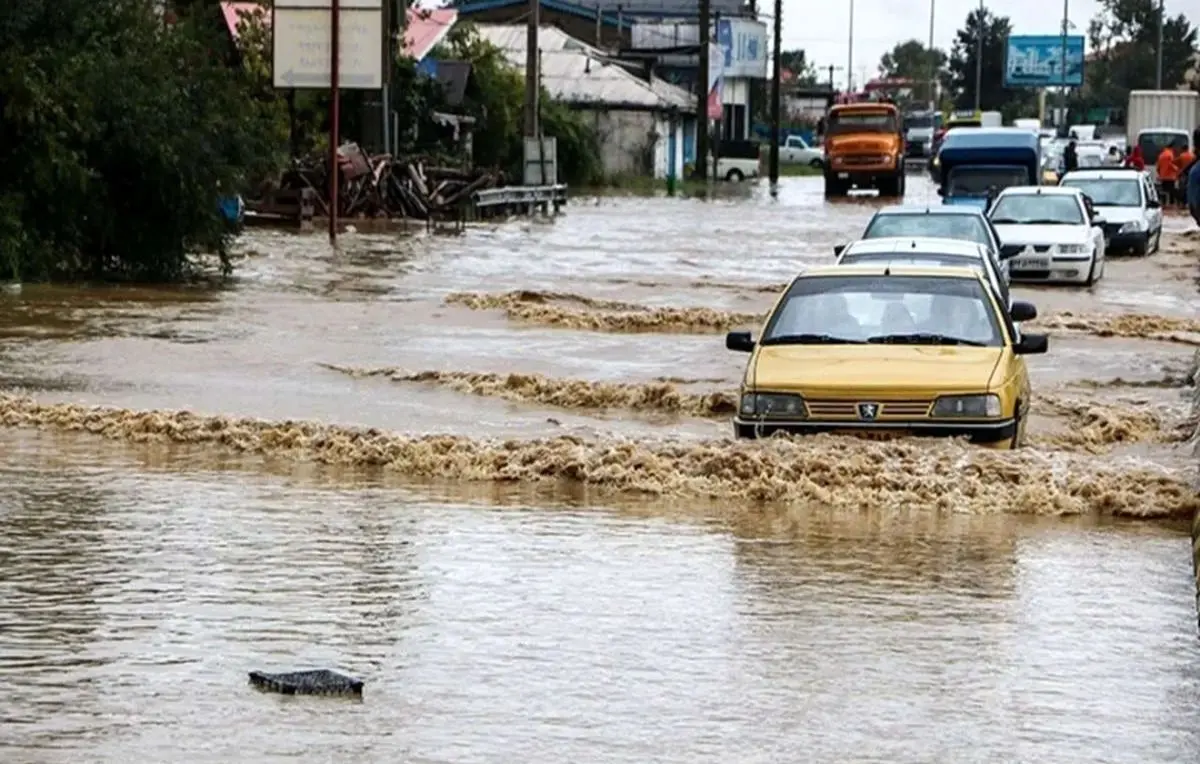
[837,370]
[1043,234]
[861,143]
[1119,214]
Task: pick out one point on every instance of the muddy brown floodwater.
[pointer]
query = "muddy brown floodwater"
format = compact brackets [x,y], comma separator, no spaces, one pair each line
[546,547]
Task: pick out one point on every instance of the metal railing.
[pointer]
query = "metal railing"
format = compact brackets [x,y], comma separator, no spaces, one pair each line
[514,195]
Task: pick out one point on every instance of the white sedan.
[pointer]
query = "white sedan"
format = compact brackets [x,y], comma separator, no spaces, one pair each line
[1061,238]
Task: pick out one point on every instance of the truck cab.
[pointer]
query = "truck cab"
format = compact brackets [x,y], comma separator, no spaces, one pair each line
[864,148]
[977,164]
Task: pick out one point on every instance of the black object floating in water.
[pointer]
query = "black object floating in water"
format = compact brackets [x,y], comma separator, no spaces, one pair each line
[319,682]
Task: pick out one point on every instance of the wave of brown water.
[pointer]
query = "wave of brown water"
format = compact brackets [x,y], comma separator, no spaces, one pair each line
[1092,426]
[947,476]
[590,314]
[660,396]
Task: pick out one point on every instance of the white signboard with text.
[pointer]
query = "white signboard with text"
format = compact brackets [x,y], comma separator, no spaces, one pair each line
[302,33]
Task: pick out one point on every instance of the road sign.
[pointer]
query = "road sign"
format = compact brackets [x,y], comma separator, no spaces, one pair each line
[303,37]
[1037,61]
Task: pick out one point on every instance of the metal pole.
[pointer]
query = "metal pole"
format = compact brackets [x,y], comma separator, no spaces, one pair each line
[1159,76]
[1063,62]
[335,97]
[979,60]
[704,30]
[387,77]
[932,61]
[850,54]
[532,77]
[775,98]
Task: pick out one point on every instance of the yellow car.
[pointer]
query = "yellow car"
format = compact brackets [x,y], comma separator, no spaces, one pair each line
[882,351]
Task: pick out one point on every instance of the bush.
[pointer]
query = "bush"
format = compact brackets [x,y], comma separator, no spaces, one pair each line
[120,135]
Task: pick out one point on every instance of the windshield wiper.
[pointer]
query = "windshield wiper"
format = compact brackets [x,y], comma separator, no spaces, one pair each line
[922,338]
[809,339]
[1048,222]
[1005,221]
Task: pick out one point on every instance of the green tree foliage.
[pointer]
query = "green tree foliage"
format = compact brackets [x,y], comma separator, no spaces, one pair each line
[912,60]
[1123,38]
[119,135]
[796,62]
[961,67]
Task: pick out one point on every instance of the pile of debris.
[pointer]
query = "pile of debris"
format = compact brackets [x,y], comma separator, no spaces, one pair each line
[376,186]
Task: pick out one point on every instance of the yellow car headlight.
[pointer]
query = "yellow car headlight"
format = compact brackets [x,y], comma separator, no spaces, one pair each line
[773,405]
[967,406]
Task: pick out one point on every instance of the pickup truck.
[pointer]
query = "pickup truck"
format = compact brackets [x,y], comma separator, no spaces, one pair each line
[796,151]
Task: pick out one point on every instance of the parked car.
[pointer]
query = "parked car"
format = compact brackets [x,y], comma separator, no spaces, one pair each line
[1129,201]
[928,251]
[1061,238]
[942,222]
[795,150]
[882,351]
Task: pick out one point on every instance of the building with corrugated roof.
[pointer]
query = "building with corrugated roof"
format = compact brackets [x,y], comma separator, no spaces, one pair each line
[641,123]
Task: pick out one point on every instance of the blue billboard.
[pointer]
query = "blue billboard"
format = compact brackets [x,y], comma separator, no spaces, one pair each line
[1037,61]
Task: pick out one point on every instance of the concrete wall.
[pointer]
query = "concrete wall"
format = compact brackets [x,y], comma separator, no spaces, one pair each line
[638,142]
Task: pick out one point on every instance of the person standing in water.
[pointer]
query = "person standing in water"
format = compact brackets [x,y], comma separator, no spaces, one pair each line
[1168,172]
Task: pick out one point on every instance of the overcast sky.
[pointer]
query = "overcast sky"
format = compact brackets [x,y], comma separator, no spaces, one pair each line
[822,28]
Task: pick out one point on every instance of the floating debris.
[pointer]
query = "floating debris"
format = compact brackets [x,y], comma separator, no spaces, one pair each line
[318,682]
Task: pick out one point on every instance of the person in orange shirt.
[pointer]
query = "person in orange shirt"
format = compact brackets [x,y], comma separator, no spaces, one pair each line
[1168,171]
[1183,163]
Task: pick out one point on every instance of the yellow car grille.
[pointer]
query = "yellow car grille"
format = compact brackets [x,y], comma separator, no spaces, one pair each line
[825,408]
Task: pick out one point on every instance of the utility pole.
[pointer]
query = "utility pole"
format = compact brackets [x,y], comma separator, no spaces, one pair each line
[335,97]
[979,59]
[932,61]
[532,76]
[1158,79]
[850,54]
[1063,62]
[701,91]
[385,99]
[775,99]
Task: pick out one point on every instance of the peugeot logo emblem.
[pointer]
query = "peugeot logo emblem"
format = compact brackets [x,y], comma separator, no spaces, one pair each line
[868,411]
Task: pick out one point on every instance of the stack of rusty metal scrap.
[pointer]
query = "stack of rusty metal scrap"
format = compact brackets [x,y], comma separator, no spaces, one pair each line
[376,186]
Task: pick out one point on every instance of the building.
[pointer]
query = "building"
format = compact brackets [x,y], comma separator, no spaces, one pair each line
[641,123]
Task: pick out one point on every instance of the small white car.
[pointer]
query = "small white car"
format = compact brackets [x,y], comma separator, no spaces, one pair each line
[1130,205]
[796,151]
[927,251]
[1061,239]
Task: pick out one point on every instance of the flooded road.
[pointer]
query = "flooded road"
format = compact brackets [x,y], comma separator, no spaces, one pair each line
[618,582]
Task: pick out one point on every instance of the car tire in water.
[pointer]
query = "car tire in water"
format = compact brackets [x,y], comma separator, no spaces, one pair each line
[1091,279]
[1018,440]
[734,176]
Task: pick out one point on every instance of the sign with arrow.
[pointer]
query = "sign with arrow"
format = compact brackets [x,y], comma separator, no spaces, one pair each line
[302,34]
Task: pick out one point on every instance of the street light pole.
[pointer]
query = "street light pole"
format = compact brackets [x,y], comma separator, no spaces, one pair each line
[932,61]
[979,61]
[1159,76]
[850,55]
[1063,62]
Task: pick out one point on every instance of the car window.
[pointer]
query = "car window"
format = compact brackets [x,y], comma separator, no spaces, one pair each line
[963,227]
[976,181]
[1109,192]
[1037,209]
[883,309]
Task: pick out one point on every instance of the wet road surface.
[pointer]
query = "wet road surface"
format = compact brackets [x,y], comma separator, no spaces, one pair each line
[557,621]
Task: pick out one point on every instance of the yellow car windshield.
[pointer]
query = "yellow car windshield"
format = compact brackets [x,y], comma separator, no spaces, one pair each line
[918,310]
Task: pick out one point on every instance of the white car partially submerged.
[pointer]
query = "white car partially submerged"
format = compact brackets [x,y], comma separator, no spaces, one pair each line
[1061,239]
[928,251]
[1130,205]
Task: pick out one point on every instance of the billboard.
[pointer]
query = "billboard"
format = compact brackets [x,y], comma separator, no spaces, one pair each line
[1036,61]
[744,47]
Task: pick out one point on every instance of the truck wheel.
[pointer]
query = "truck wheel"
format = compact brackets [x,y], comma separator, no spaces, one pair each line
[888,187]
[901,183]
[833,188]
[816,164]
[735,176]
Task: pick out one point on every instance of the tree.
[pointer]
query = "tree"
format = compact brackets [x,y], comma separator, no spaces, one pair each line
[796,62]
[912,60]
[120,133]
[961,68]
[1124,39]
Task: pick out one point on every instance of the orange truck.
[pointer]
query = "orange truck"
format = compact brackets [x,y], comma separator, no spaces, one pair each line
[864,148]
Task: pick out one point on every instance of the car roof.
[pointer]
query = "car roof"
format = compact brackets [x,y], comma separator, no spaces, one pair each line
[1042,190]
[1106,173]
[940,271]
[915,245]
[946,209]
